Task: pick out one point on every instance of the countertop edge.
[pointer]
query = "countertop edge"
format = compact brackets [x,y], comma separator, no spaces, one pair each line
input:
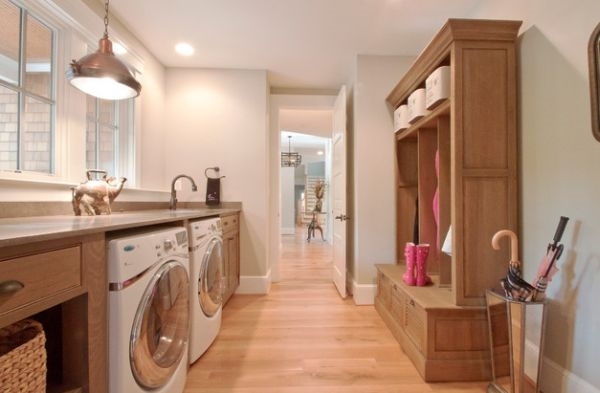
[24,230]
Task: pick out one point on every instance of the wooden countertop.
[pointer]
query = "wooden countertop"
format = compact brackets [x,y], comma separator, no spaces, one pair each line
[23,230]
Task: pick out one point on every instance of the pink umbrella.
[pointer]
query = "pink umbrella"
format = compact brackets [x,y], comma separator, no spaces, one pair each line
[548,267]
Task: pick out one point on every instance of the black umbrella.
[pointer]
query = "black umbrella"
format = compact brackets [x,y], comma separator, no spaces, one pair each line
[514,286]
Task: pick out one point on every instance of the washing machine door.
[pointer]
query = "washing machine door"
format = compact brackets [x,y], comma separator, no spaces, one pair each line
[161,326]
[210,280]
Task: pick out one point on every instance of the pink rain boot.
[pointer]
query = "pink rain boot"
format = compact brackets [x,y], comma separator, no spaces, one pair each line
[410,254]
[422,277]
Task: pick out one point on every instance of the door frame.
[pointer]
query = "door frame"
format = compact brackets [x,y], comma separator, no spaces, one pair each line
[321,100]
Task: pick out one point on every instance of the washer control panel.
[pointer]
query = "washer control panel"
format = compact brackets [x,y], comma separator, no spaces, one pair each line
[129,256]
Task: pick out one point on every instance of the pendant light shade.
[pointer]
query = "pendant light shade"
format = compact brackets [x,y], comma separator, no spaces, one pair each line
[101,74]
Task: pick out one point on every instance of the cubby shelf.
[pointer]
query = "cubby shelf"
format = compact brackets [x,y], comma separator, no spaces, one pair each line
[427,121]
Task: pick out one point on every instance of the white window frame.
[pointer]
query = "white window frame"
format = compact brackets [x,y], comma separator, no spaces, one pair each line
[53,26]
[124,141]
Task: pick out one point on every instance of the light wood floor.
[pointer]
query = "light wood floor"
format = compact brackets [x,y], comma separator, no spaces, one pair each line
[302,337]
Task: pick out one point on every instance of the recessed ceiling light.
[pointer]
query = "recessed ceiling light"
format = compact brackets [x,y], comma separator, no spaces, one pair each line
[320,153]
[184,49]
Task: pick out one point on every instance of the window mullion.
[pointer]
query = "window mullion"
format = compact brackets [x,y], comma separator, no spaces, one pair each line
[116,139]
[98,127]
[53,88]
[21,90]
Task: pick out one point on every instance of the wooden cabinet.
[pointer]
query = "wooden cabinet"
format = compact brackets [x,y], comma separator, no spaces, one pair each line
[231,254]
[54,272]
[474,135]
[63,287]
[445,342]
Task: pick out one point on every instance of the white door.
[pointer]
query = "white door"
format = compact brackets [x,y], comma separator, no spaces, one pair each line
[338,180]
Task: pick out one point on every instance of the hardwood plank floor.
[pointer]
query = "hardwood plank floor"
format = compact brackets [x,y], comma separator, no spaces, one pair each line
[302,337]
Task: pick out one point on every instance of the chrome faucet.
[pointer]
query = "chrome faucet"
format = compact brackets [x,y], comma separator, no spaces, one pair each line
[173,201]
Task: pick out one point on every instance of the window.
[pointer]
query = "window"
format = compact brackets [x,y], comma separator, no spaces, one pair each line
[109,136]
[27,102]
[41,115]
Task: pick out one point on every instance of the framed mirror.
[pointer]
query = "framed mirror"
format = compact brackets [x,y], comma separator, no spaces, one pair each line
[594,65]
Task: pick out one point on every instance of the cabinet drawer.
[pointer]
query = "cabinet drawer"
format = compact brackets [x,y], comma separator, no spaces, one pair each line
[450,328]
[384,289]
[42,275]
[414,323]
[230,223]
[397,304]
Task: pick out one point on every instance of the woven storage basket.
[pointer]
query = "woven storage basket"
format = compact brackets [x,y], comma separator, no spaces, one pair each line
[23,358]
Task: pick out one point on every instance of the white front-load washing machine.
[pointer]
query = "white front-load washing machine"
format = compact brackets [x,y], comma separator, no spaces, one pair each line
[206,283]
[148,311]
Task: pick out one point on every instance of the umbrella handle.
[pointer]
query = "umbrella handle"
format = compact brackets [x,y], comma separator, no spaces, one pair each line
[514,243]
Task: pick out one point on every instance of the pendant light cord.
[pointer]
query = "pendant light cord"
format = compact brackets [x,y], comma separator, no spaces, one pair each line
[106,19]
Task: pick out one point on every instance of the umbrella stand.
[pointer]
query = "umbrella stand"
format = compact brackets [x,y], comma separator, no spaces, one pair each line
[516,333]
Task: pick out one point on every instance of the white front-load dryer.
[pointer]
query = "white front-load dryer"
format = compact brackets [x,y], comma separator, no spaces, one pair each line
[206,283]
[148,311]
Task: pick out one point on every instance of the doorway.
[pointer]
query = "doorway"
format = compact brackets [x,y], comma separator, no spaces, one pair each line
[303,113]
[304,197]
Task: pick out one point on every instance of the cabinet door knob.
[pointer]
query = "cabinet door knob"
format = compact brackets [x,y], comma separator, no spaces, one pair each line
[10,286]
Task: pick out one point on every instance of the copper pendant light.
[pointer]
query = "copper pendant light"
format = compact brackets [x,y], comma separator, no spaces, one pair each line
[101,74]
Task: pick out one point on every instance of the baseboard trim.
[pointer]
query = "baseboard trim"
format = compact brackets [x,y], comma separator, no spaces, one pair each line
[254,285]
[530,362]
[556,379]
[288,231]
[364,294]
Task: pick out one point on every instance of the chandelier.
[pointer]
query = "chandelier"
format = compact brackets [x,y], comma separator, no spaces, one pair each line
[290,159]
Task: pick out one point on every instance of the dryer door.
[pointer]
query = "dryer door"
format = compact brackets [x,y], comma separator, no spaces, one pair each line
[210,281]
[161,325]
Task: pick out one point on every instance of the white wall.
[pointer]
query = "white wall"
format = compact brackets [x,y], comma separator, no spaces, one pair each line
[374,218]
[559,176]
[151,130]
[287,200]
[219,118]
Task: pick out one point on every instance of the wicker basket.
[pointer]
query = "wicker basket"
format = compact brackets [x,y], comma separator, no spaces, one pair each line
[23,358]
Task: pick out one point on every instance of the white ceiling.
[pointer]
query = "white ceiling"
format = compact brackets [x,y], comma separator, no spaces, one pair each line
[302,43]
